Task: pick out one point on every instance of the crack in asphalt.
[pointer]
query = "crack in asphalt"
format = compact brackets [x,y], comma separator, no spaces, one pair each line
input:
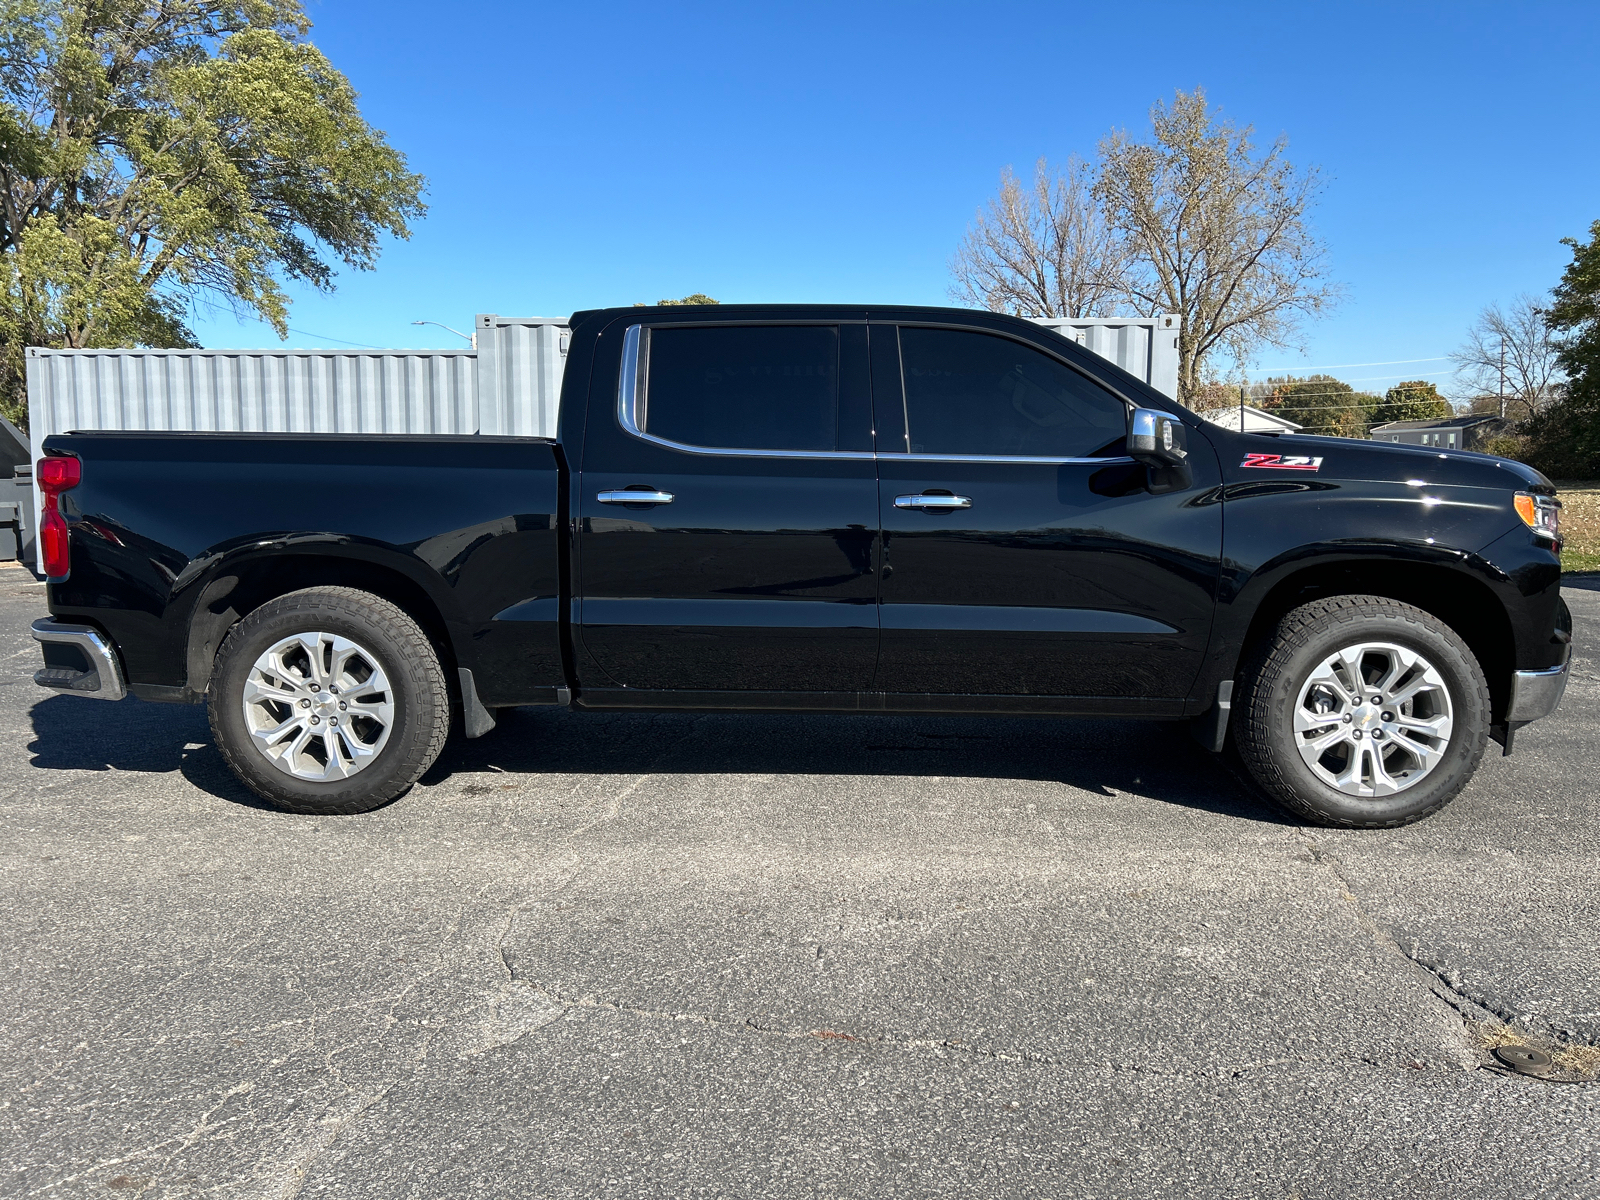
[288,1179]
[1483,1021]
[557,1006]
[1458,1000]
[292,1179]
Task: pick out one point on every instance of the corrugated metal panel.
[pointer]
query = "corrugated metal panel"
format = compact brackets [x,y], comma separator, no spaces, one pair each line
[1142,346]
[520,363]
[251,391]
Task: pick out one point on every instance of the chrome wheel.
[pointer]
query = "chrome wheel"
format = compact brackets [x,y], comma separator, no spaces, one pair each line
[318,706]
[1373,719]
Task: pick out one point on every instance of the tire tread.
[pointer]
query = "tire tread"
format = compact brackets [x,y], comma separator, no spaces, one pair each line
[418,657]
[1269,664]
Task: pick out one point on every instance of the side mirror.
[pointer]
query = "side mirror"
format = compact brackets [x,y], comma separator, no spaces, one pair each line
[1160,442]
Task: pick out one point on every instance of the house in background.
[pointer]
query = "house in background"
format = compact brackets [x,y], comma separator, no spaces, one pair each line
[1447,433]
[1252,420]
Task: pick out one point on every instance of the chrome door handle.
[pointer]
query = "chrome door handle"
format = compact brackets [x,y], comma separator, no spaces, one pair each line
[926,502]
[635,497]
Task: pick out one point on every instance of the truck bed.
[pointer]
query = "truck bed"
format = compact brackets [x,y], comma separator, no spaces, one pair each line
[181,528]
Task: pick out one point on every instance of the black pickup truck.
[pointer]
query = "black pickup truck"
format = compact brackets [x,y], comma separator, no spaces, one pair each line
[817,509]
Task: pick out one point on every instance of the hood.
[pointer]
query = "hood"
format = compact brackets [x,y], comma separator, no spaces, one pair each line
[1392,462]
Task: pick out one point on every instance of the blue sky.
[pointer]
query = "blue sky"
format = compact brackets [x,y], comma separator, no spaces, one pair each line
[585,155]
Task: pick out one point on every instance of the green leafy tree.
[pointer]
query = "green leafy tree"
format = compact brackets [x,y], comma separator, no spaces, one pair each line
[159,154]
[1563,440]
[693,298]
[1417,400]
[1320,403]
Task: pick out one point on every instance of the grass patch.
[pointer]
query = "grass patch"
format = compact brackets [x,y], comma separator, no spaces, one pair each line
[1580,524]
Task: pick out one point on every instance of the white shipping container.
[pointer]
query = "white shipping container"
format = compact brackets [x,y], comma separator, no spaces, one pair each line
[509,383]
[1142,346]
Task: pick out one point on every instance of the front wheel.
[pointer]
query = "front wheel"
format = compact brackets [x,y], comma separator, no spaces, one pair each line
[1363,712]
[328,700]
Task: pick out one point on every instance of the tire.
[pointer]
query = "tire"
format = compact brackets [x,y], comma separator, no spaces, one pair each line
[311,751]
[1385,764]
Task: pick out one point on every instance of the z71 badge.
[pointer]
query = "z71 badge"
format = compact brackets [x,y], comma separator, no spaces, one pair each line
[1282,462]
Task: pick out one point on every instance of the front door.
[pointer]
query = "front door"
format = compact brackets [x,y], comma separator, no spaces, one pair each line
[747,565]
[1023,554]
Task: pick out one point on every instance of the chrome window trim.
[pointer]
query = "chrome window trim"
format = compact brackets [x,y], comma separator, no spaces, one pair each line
[633,400]
[1000,458]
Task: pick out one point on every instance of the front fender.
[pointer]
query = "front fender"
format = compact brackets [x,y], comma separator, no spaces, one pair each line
[1464,588]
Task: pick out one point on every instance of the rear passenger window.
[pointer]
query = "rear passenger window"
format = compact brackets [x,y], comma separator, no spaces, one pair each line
[746,387]
[974,393]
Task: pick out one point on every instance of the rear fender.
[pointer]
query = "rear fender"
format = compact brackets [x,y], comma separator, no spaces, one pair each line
[224,585]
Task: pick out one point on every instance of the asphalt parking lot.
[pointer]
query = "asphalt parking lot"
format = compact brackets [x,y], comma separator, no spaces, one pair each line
[784,956]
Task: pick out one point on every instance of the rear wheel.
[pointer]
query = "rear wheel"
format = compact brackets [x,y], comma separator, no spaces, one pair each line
[1363,712]
[328,700]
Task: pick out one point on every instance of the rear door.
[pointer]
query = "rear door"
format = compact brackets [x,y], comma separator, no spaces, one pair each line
[748,563]
[1023,553]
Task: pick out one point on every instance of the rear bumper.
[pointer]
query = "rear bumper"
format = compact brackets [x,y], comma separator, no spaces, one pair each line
[79,659]
[1535,694]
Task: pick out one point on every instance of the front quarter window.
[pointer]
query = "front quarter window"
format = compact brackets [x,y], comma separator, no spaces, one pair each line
[970,393]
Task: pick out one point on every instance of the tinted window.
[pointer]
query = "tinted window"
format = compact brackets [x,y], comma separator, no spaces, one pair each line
[972,393]
[755,387]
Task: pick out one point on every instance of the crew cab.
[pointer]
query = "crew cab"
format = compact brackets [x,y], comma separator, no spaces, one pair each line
[817,509]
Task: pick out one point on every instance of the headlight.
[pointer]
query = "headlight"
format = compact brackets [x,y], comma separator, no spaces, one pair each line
[1542,514]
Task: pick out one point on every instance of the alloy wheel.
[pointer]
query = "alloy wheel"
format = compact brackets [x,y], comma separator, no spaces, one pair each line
[318,706]
[1373,719]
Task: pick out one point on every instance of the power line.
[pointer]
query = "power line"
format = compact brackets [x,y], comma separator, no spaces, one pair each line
[1299,395]
[1393,362]
[326,338]
[1368,378]
[1379,378]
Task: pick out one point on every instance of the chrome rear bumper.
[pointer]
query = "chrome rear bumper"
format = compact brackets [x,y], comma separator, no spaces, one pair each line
[98,676]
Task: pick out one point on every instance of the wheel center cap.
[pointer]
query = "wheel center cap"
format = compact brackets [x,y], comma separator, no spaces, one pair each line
[1366,714]
[326,704]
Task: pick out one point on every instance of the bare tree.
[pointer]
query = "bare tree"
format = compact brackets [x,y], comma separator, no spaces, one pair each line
[1041,251]
[1510,354]
[1216,233]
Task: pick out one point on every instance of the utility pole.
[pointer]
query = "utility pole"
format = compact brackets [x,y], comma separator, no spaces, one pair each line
[1502,377]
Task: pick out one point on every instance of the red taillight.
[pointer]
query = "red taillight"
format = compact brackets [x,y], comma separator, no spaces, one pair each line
[53,546]
[55,475]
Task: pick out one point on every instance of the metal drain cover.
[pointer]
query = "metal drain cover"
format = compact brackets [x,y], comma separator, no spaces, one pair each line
[1524,1060]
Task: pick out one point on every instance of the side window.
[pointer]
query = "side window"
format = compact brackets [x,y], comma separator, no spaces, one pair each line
[744,387]
[974,393]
